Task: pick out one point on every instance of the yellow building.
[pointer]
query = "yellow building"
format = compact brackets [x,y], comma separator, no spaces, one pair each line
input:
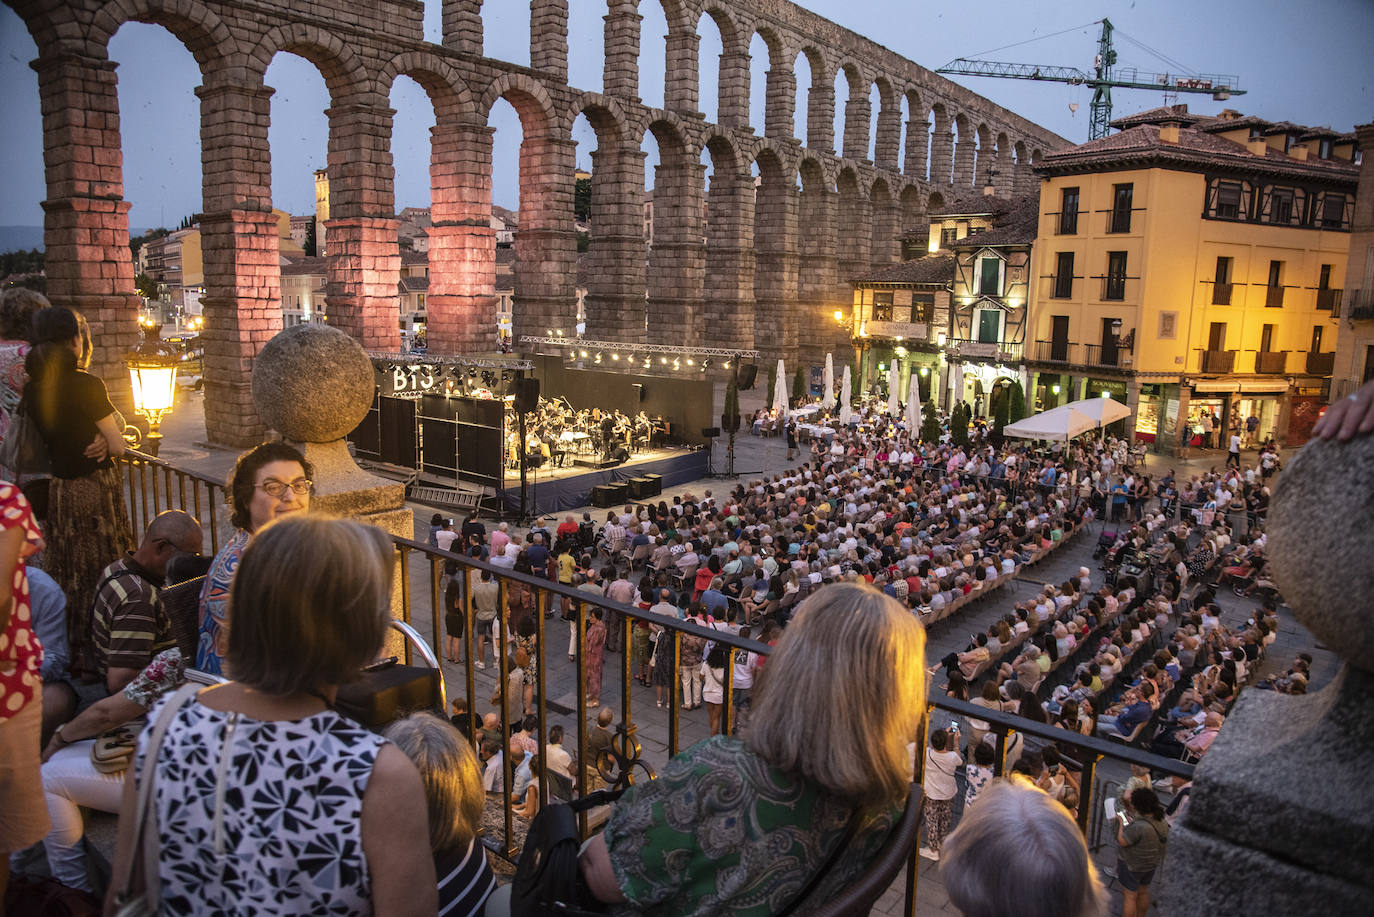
[1355,344]
[321,209]
[1191,264]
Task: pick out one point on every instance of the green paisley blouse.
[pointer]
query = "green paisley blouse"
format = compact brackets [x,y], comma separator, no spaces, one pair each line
[722,832]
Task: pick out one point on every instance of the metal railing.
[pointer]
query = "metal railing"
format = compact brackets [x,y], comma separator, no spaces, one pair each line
[1361,305]
[1329,300]
[1106,355]
[1218,361]
[1273,297]
[1321,364]
[1054,352]
[153,485]
[1221,294]
[1270,362]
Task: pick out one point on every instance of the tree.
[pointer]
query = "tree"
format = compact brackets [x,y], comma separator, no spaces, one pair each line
[310,244]
[1018,403]
[1001,413]
[146,287]
[930,419]
[582,199]
[958,425]
[138,242]
[799,385]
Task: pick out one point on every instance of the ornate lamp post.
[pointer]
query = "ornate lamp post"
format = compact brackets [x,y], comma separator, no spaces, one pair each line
[153,376]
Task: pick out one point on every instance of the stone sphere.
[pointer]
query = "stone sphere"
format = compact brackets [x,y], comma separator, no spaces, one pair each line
[312,384]
[1321,544]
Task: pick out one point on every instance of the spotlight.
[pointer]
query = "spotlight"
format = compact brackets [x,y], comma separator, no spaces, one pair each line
[691,362]
[598,357]
[677,365]
[663,359]
[706,363]
[550,332]
[615,356]
[472,374]
[727,364]
[582,354]
[646,365]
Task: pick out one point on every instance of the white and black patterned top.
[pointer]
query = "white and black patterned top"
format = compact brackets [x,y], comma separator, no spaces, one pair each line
[290,837]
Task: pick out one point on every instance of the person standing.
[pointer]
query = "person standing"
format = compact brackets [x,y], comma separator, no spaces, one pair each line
[1233,451]
[691,649]
[23,814]
[1206,420]
[791,440]
[942,763]
[1141,835]
[596,648]
[87,521]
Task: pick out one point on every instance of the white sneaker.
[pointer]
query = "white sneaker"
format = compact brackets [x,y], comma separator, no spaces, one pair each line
[930,854]
[480,664]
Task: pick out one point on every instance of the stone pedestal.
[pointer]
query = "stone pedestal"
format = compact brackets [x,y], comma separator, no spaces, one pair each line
[314,384]
[1281,819]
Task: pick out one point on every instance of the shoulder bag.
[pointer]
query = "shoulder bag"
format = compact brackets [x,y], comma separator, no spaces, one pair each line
[23,450]
[145,848]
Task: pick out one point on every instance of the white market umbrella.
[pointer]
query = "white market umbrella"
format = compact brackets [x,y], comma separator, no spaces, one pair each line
[913,406]
[828,389]
[780,392]
[892,400]
[1061,423]
[846,411]
[1102,410]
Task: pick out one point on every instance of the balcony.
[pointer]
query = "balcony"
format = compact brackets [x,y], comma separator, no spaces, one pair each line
[1218,361]
[1361,306]
[561,687]
[1273,297]
[1221,294]
[999,351]
[1329,301]
[1107,355]
[1320,364]
[1113,288]
[1053,352]
[1270,363]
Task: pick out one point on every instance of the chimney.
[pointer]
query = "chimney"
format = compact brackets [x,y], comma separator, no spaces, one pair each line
[1258,147]
[1298,151]
[1168,132]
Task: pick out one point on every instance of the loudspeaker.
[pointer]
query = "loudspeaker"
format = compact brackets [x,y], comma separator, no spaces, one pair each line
[639,390]
[621,455]
[710,432]
[748,374]
[526,394]
[603,496]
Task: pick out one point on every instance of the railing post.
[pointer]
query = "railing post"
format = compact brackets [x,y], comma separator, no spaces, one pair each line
[1086,802]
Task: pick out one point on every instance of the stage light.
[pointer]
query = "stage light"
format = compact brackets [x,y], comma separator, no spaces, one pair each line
[663,359]
[598,357]
[646,362]
[677,365]
[550,332]
[727,364]
[706,363]
[472,374]
[582,354]
[691,362]
[615,356]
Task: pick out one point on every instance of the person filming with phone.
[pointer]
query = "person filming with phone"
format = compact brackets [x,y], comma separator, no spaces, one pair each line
[1141,835]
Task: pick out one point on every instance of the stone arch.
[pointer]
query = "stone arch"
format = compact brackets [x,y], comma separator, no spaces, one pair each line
[935,201]
[1005,178]
[820,102]
[194,24]
[780,92]
[447,90]
[677,255]
[818,268]
[941,145]
[965,151]
[680,57]
[605,113]
[775,255]
[729,284]
[985,158]
[732,83]
[887,144]
[916,163]
[1022,177]
[343,72]
[852,245]
[885,244]
[857,120]
[527,95]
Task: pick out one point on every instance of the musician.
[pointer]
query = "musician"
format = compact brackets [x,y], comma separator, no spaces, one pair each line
[643,428]
[608,431]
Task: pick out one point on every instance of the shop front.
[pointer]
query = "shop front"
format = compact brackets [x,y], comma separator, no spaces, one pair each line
[1264,403]
[1156,416]
[1109,388]
[1051,390]
[1208,411]
[976,383]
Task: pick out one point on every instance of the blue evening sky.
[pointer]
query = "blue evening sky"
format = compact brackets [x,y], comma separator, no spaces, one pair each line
[1305,62]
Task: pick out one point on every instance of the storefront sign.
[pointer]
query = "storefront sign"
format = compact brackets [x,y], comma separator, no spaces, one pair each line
[907,331]
[1215,387]
[1272,388]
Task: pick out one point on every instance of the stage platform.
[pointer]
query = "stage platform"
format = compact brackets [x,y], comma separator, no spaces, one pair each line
[555,490]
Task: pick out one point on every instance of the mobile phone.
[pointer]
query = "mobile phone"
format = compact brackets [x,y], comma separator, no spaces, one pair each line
[380,664]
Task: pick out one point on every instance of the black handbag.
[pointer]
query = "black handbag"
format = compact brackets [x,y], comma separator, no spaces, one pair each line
[380,696]
[23,450]
[547,877]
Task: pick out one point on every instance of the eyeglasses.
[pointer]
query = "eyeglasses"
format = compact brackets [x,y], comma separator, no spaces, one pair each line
[300,486]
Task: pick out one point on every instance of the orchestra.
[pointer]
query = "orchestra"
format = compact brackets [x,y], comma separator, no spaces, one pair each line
[555,432]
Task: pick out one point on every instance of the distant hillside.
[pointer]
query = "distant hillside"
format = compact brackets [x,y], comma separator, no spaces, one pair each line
[20,238]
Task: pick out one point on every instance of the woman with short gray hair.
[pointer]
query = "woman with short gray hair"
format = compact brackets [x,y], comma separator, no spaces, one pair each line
[1019,852]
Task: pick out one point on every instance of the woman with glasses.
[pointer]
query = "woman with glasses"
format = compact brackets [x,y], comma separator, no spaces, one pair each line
[268,481]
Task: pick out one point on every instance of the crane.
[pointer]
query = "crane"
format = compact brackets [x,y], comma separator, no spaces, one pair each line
[1103,79]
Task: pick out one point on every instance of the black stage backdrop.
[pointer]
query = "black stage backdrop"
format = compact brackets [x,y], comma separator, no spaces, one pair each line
[684,401]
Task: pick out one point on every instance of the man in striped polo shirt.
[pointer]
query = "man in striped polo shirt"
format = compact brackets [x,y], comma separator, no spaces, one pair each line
[128,624]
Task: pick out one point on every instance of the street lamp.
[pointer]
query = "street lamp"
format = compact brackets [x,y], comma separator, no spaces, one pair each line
[153,376]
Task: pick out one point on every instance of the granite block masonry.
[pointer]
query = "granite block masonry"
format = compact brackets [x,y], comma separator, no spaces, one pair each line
[1281,819]
[735,265]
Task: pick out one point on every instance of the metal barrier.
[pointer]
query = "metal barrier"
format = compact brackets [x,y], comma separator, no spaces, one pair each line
[180,489]
[152,486]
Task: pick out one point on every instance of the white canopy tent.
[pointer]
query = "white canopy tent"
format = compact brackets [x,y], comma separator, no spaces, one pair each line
[780,392]
[913,406]
[893,402]
[1102,410]
[846,412]
[1061,423]
[828,384]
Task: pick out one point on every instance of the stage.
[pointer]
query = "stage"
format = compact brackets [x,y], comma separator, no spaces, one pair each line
[557,490]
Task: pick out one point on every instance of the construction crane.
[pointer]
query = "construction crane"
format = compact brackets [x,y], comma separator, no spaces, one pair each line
[1103,80]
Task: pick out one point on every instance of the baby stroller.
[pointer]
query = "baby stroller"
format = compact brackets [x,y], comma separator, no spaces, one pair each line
[1104,544]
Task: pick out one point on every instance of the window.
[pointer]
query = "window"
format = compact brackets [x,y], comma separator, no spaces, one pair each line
[948,236]
[1324,149]
[1333,211]
[1316,339]
[1063,275]
[1281,205]
[1121,208]
[923,307]
[975,230]
[1275,273]
[1266,339]
[1216,336]
[1115,288]
[1228,200]
[990,277]
[1068,212]
[882,307]
[1324,278]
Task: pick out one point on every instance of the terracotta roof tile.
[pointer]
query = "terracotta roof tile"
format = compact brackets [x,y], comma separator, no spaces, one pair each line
[929,269]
